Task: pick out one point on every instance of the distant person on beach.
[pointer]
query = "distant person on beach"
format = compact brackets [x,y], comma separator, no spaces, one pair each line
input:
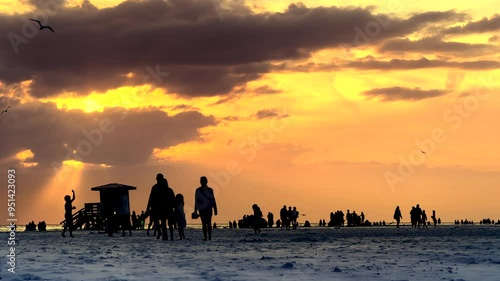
[433,217]
[257,218]
[424,219]
[397,216]
[180,216]
[284,217]
[413,217]
[68,208]
[270,219]
[418,215]
[204,201]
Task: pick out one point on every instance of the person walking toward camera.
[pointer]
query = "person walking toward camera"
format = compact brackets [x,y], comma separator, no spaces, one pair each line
[204,201]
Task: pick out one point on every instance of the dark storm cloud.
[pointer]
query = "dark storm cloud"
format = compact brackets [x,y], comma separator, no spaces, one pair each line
[114,137]
[203,56]
[422,63]
[481,26]
[435,44]
[401,93]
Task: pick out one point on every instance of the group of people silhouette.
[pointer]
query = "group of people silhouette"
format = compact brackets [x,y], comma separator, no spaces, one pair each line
[42,226]
[164,207]
[418,217]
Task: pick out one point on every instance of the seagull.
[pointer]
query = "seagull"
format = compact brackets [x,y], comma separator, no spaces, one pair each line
[423,152]
[43,26]
[5,110]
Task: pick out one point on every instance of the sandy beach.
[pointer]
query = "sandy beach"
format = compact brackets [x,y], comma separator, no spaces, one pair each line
[371,253]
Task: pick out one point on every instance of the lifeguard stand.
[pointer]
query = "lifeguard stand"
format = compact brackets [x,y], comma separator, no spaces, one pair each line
[115,203]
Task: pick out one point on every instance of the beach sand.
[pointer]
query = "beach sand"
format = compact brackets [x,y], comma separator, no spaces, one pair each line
[366,253]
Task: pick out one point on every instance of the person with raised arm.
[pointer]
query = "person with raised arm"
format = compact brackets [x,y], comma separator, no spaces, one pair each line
[68,216]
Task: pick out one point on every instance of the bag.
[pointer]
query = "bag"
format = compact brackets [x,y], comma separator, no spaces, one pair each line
[195,216]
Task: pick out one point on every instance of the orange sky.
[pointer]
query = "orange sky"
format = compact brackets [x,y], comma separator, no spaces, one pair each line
[342,127]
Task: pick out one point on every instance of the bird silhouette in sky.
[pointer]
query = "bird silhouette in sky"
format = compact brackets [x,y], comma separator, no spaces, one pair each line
[5,110]
[423,152]
[43,26]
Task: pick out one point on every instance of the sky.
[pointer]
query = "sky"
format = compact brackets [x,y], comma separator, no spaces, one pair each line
[322,105]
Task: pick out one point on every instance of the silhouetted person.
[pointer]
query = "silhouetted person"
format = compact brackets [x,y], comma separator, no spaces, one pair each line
[294,216]
[424,219]
[257,218]
[413,217]
[433,217]
[161,205]
[418,215]
[180,216]
[284,217]
[230,224]
[135,220]
[234,224]
[278,223]
[204,201]
[397,216]
[289,217]
[68,208]
[270,219]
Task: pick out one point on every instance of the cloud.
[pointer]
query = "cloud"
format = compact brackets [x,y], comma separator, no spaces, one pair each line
[481,26]
[114,137]
[93,50]
[422,63]
[435,44]
[401,93]
[269,113]
[266,90]
[493,39]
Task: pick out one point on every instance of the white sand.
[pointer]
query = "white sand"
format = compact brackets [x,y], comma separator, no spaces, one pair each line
[375,253]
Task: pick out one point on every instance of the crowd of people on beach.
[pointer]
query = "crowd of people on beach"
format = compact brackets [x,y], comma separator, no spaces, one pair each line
[166,212]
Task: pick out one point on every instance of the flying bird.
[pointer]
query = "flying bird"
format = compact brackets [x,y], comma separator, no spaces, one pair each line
[43,26]
[5,110]
[423,152]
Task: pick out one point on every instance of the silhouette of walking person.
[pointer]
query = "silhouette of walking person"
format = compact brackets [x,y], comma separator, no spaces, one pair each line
[397,216]
[257,218]
[204,201]
[68,208]
[424,219]
[180,216]
[161,207]
[433,217]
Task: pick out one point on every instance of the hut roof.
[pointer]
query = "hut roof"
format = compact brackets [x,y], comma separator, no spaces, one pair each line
[113,186]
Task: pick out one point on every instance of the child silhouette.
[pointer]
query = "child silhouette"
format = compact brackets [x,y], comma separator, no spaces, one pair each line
[68,207]
[180,216]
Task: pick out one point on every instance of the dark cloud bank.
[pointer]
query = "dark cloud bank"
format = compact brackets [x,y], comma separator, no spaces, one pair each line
[203,55]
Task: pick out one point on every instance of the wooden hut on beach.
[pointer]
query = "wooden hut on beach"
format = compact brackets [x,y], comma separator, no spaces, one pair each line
[114,207]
